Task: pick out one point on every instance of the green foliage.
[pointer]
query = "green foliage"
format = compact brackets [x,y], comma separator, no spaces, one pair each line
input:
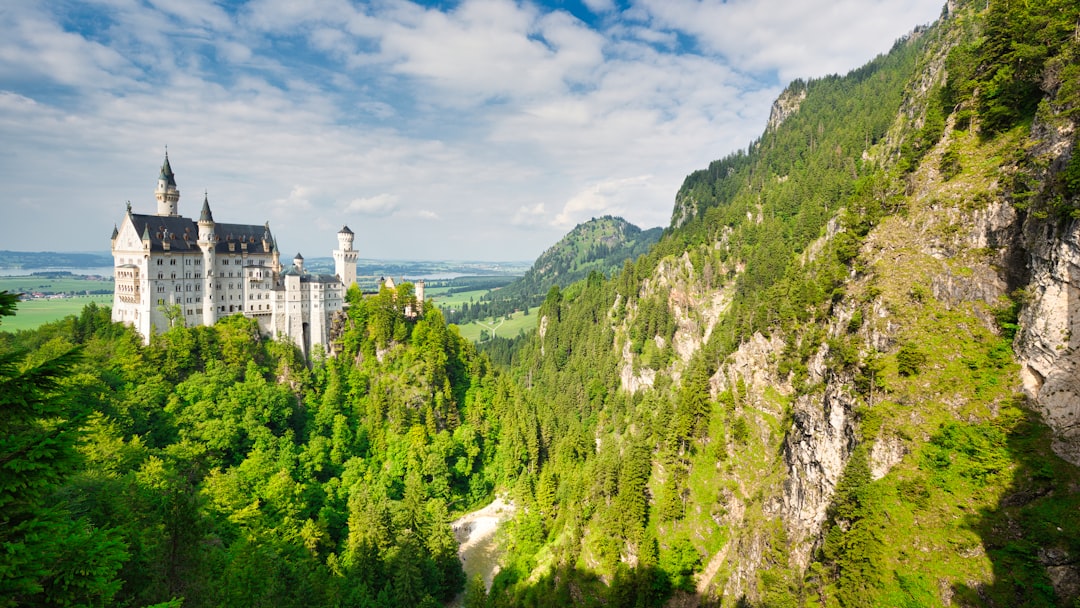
[52,554]
[950,162]
[910,359]
[1071,175]
[1002,72]
[214,466]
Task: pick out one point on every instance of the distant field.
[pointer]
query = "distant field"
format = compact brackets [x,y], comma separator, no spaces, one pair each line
[33,313]
[505,329]
[455,300]
[47,285]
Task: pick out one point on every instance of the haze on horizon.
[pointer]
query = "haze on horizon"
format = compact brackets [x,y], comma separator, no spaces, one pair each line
[480,129]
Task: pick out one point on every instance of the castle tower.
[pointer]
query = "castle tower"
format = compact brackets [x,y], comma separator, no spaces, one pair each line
[418,290]
[167,195]
[345,258]
[298,261]
[208,243]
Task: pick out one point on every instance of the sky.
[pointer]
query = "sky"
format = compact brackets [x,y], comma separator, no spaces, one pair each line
[443,130]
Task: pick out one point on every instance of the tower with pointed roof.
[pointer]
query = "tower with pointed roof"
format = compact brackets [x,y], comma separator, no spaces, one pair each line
[207,244]
[345,258]
[167,194]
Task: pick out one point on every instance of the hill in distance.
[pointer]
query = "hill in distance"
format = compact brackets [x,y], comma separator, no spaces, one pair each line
[599,245]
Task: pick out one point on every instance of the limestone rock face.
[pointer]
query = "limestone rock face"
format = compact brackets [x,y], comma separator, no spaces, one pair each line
[785,105]
[1048,343]
[816,450]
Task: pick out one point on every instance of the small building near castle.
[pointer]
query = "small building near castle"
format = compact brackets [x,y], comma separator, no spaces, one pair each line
[173,269]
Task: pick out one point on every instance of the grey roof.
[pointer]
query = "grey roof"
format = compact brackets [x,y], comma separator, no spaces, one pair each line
[308,277]
[345,230]
[182,234]
[298,257]
[167,172]
[115,232]
[205,215]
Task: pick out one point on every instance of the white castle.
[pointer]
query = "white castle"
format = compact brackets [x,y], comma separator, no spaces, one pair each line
[171,269]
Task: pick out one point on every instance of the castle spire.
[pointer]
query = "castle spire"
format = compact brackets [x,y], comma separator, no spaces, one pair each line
[205,215]
[167,194]
[167,172]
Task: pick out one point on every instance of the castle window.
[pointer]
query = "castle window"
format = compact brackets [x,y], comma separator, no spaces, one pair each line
[198,262]
[198,275]
[161,275]
[222,309]
[177,288]
[187,262]
[160,262]
[160,301]
[224,262]
[197,300]
[172,262]
[161,288]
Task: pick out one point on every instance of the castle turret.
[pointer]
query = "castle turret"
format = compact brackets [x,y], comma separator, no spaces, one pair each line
[168,196]
[298,261]
[207,243]
[345,258]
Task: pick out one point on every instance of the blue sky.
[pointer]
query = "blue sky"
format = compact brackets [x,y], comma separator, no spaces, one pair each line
[480,129]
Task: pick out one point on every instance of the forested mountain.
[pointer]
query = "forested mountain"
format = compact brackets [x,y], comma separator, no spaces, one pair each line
[846,375]
[598,245]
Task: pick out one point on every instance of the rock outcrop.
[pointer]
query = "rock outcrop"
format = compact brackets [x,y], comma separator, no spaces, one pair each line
[1048,343]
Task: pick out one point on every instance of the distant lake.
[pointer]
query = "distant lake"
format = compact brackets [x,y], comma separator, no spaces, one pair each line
[104,271]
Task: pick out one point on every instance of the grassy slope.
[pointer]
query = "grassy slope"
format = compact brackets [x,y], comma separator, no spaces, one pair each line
[34,313]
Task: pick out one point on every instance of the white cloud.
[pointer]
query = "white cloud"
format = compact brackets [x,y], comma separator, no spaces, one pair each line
[796,39]
[600,6]
[529,215]
[380,205]
[514,120]
[610,197]
[492,49]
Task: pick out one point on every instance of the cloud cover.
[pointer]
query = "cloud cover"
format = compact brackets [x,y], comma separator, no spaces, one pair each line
[480,129]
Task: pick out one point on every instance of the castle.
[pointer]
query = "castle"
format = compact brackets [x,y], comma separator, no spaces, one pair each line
[171,269]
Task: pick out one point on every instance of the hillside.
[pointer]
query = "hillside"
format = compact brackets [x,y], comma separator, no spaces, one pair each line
[600,245]
[847,374]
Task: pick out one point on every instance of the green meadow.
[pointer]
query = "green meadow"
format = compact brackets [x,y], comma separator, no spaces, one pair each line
[519,321]
[34,313]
